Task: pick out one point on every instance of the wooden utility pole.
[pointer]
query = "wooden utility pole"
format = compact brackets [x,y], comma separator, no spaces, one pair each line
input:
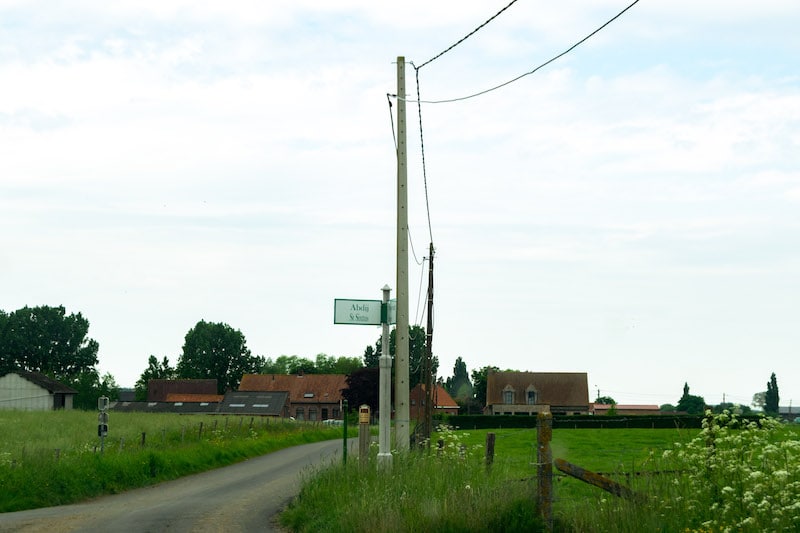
[401,390]
[430,395]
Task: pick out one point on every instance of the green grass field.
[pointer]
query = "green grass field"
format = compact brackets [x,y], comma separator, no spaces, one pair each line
[53,458]
[728,477]
[732,475]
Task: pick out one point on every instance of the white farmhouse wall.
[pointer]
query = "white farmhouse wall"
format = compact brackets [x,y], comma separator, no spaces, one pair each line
[19,393]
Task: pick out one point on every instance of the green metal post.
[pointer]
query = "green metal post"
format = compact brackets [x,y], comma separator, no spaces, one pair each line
[344,436]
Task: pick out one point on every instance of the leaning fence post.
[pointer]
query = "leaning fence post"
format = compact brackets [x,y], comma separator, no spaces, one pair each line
[544,470]
[489,450]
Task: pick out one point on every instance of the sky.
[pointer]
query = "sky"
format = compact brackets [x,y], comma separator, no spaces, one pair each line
[631,210]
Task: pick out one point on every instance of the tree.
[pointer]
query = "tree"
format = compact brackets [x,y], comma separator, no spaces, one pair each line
[362,388]
[772,398]
[694,405]
[91,386]
[337,365]
[759,400]
[47,340]
[416,354]
[372,359]
[154,370]
[459,386]
[479,383]
[605,400]
[732,408]
[217,351]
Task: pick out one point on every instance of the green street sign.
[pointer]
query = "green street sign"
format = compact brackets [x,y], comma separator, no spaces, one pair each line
[364,312]
[359,312]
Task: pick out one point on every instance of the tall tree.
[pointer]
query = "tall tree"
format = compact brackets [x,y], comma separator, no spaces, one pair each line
[605,400]
[479,383]
[759,400]
[772,398]
[47,340]
[372,359]
[694,405]
[154,370]
[416,354]
[216,350]
[362,388]
[459,386]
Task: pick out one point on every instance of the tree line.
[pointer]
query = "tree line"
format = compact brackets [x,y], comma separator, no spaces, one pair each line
[48,340]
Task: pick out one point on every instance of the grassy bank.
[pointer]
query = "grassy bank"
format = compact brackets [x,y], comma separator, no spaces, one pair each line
[729,476]
[54,458]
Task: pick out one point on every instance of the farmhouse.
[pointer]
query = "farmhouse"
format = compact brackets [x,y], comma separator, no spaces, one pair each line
[529,393]
[443,403]
[32,391]
[311,396]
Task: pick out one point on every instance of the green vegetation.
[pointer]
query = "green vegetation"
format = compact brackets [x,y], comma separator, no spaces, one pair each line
[733,475]
[450,491]
[53,458]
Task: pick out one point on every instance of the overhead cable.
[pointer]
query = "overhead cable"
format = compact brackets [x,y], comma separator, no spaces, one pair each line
[467,36]
[565,52]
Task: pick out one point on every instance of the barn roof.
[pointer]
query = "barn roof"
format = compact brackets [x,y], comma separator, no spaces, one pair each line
[52,386]
[311,388]
[442,397]
[254,403]
[178,397]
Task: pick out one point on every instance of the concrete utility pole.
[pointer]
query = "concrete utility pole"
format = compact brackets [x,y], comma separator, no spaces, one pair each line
[385,392]
[401,388]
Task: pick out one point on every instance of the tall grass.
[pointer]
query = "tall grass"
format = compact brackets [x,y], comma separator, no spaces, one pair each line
[445,491]
[733,475]
[730,476]
[52,458]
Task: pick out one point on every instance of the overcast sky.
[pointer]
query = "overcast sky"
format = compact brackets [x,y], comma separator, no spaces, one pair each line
[631,210]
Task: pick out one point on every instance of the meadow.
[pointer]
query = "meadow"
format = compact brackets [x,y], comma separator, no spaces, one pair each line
[732,475]
[56,457]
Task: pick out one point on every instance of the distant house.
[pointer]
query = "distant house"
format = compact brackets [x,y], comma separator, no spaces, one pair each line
[624,409]
[32,391]
[311,396]
[443,403]
[529,393]
[159,389]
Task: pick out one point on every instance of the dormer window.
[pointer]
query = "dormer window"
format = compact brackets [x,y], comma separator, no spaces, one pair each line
[531,395]
[508,395]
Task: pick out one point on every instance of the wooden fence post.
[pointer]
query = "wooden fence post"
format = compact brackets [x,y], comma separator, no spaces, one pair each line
[544,470]
[144,435]
[489,450]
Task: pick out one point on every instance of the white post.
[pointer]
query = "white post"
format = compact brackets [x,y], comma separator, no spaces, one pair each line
[385,391]
[401,386]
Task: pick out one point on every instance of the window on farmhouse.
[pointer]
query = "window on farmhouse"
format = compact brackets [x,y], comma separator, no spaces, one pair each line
[312,413]
[531,397]
[508,396]
[298,414]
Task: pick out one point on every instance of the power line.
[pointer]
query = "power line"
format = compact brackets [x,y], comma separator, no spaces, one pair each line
[554,58]
[470,34]
[422,148]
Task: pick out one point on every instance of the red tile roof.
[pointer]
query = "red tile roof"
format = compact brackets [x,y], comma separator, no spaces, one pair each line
[209,398]
[315,388]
